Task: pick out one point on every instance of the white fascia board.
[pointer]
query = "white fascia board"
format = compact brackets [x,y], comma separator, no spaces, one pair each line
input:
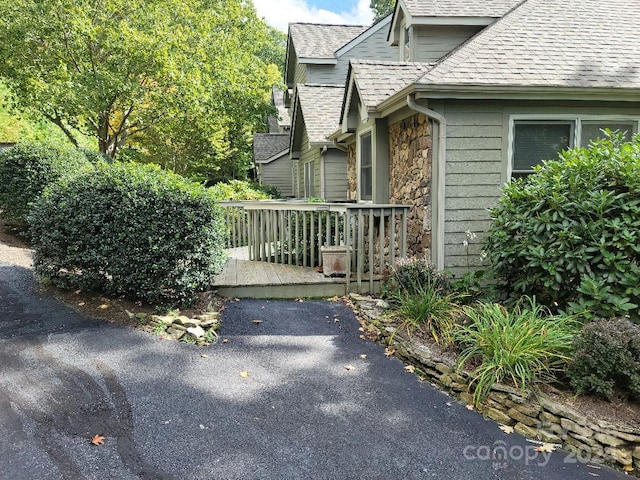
[274,157]
[453,21]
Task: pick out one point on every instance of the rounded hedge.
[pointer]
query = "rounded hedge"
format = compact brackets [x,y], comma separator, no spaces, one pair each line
[27,168]
[570,233]
[129,229]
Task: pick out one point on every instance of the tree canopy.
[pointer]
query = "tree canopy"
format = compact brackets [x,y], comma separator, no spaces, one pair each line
[177,83]
[381,8]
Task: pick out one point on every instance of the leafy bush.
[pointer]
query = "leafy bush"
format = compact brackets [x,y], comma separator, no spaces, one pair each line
[238,190]
[570,233]
[26,169]
[523,345]
[607,359]
[412,275]
[129,229]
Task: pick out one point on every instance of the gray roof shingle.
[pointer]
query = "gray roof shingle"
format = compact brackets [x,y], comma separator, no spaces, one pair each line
[320,105]
[266,145]
[550,43]
[378,80]
[312,40]
[459,8]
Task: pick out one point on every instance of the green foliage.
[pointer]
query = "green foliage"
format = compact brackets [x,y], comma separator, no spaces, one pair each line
[181,84]
[570,233]
[27,168]
[381,8]
[129,229]
[474,286]
[523,345]
[413,275]
[238,190]
[606,360]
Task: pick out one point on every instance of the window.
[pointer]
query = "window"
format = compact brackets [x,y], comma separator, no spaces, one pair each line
[366,167]
[536,140]
[592,130]
[309,180]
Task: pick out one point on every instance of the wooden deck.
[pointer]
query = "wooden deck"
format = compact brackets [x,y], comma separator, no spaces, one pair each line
[243,278]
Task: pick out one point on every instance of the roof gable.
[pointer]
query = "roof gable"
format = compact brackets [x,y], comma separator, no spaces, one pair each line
[550,43]
[315,41]
[266,145]
[319,108]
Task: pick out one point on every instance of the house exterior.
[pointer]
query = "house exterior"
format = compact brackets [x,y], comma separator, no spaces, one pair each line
[272,161]
[479,93]
[316,69]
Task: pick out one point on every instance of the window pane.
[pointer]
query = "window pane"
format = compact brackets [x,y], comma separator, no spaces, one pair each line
[535,142]
[593,131]
[366,170]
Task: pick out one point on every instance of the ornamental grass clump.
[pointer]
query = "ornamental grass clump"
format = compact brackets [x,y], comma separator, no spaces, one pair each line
[522,346]
[129,229]
[569,234]
[422,300]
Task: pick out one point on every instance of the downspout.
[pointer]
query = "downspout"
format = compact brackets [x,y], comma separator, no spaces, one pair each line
[438,175]
[323,188]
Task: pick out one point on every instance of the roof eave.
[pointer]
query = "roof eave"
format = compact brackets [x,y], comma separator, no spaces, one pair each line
[453,21]
[526,92]
[318,61]
[273,157]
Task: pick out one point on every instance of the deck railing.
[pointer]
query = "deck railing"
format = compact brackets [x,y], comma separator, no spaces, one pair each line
[374,236]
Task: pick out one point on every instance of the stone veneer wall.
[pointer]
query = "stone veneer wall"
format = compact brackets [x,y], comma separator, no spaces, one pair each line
[351,172]
[410,179]
[533,416]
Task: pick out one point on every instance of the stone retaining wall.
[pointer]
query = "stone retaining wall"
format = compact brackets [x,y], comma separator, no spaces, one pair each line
[534,417]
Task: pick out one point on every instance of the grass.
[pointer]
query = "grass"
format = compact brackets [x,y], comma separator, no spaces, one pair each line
[524,345]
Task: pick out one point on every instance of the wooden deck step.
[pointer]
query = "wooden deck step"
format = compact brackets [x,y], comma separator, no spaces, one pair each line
[243,278]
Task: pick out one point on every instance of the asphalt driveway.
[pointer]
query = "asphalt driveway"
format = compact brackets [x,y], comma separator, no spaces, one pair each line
[273,402]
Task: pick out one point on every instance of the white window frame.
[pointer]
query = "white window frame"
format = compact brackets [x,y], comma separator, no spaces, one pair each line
[561,118]
[368,131]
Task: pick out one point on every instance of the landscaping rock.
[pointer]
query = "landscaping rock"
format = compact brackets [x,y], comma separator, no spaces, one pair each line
[522,418]
[609,440]
[563,411]
[175,333]
[498,416]
[575,428]
[196,331]
[621,455]
[525,430]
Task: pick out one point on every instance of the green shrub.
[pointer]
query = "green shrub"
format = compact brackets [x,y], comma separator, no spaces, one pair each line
[26,169]
[570,233]
[522,345]
[607,359]
[129,229]
[412,275]
[238,190]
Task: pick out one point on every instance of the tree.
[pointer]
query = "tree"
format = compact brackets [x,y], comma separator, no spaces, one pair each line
[173,82]
[381,8]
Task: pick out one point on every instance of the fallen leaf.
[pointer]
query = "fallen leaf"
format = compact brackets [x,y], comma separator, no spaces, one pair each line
[204,355]
[78,292]
[546,447]
[422,379]
[409,368]
[362,337]
[470,407]
[257,322]
[244,374]
[389,351]
[627,468]
[349,367]
[363,356]
[81,304]
[361,329]
[299,300]
[506,429]
[104,306]
[97,440]
[225,340]
[222,308]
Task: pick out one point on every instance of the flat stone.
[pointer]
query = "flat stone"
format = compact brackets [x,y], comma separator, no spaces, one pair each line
[575,428]
[187,322]
[212,323]
[548,437]
[499,397]
[360,298]
[498,416]
[175,333]
[636,453]
[621,455]
[629,437]
[467,398]
[499,387]
[382,304]
[529,410]
[525,430]
[522,418]
[562,410]
[609,440]
[586,440]
[131,315]
[442,368]
[163,319]
[141,316]
[547,418]
[196,331]
[205,317]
